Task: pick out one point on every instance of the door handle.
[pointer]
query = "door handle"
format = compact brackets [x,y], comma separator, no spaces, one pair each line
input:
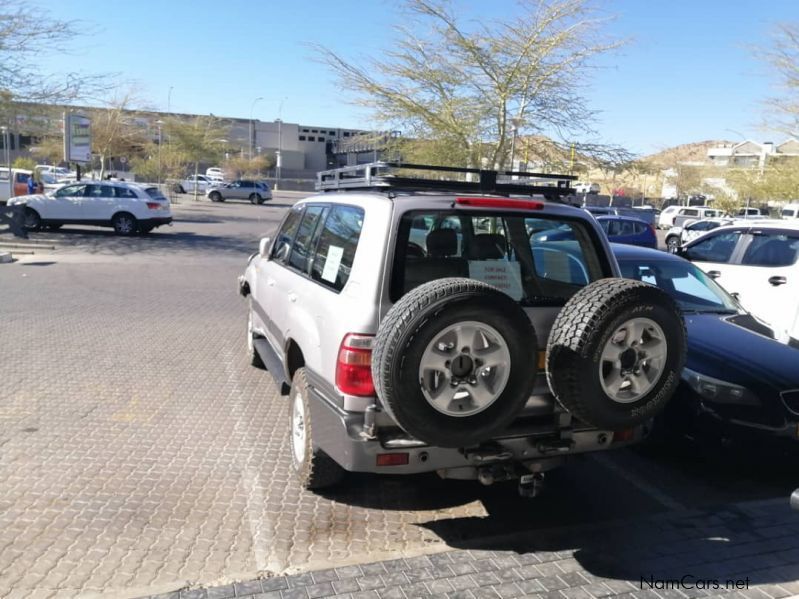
[270,282]
[292,297]
[777,280]
[713,274]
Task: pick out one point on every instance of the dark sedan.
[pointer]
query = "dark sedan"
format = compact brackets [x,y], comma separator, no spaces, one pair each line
[736,374]
[619,229]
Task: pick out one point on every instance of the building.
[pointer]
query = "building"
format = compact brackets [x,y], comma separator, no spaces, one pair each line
[751,154]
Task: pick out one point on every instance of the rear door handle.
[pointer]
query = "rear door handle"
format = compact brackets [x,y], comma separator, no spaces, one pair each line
[777,280]
[270,282]
[292,297]
[713,274]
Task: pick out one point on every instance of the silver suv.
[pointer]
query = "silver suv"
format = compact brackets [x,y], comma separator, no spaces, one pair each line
[419,325]
[257,192]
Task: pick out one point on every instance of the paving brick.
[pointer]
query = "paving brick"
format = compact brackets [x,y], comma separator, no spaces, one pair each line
[300,580]
[394,592]
[323,589]
[295,593]
[274,584]
[248,588]
[324,576]
[347,585]
[370,582]
[222,592]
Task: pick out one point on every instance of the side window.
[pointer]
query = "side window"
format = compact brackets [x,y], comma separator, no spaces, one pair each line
[285,236]
[125,192]
[605,224]
[690,212]
[771,250]
[639,228]
[71,191]
[337,244]
[99,191]
[717,248]
[305,233]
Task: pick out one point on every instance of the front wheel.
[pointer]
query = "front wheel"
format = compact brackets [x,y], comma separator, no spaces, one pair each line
[215,196]
[255,199]
[313,468]
[672,244]
[124,224]
[33,222]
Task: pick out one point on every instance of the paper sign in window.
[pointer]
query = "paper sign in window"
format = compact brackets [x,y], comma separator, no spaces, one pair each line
[506,276]
[332,263]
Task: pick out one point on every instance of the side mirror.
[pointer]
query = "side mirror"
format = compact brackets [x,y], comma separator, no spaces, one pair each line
[263,247]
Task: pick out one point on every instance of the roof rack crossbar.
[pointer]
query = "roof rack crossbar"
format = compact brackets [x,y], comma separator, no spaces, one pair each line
[382,176]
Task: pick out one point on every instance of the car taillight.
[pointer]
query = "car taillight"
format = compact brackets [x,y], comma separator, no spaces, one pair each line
[153,205]
[354,366]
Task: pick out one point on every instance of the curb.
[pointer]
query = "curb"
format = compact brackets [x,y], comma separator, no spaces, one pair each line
[6,258]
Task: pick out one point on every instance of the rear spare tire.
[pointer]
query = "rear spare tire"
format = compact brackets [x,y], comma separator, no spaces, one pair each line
[616,352]
[454,362]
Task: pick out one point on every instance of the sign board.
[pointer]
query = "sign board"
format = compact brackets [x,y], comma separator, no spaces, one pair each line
[77,138]
[506,276]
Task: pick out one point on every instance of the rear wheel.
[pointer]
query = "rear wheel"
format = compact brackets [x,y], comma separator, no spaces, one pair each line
[145,229]
[215,196]
[255,199]
[313,468]
[33,222]
[124,223]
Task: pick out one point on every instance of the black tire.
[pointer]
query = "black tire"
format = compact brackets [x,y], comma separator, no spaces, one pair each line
[33,222]
[314,469]
[252,355]
[144,230]
[215,196]
[125,223]
[181,189]
[584,328]
[672,244]
[255,199]
[408,329]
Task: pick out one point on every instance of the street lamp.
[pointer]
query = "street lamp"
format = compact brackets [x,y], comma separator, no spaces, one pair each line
[516,122]
[169,100]
[252,107]
[6,145]
[159,122]
[278,154]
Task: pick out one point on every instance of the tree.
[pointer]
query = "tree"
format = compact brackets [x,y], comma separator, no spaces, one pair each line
[783,58]
[25,34]
[241,167]
[115,132]
[195,141]
[472,88]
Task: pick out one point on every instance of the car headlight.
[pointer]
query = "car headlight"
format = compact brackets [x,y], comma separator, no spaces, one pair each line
[719,391]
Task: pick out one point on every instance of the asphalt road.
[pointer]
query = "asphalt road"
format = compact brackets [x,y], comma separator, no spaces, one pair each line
[139,451]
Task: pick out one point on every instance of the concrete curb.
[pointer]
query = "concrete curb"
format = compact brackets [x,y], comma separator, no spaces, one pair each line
[6,258]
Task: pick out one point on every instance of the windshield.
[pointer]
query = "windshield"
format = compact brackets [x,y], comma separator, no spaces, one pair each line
[693,290]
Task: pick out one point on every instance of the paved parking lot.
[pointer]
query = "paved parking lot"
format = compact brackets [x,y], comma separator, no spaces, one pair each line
[139,453]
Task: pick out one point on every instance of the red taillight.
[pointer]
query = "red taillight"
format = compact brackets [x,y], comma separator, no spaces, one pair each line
[153,205]
[354,366]
[623,436]
[500,203]
[392,459]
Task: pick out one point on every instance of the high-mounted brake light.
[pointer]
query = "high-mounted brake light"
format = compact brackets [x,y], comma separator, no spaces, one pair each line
[354,366]
[500,203]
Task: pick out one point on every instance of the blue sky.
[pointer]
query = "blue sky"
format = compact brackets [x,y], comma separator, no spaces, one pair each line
[686,75]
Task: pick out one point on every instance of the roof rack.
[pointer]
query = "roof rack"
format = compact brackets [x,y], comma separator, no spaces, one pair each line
[383,176]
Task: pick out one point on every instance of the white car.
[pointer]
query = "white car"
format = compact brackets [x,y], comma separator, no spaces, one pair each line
[586,188]
[127,207]
[759,264]
[790,212]
[750,214]
[677,237]
[677,215]
[198,183]
[57,173]
[215,173]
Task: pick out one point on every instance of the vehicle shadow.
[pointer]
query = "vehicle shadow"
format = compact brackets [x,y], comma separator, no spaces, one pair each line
[97,241]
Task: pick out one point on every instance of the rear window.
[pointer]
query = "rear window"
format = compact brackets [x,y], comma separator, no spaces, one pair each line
[154,193]
[535,260]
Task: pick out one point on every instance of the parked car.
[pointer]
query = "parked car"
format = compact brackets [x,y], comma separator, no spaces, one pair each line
[585,188]
[756,262]
[196,183]
[402,358]
[60,174]
[736,373]
[676,237]
[257,192]
[750,214]
[18,186]
[127,207]
[790,211]
[676,215]
[619,229]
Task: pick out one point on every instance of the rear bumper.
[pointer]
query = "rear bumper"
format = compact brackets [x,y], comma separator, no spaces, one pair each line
[342,435]
[156,221]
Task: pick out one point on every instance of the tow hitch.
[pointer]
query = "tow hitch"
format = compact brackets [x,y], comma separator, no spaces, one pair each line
[530,484]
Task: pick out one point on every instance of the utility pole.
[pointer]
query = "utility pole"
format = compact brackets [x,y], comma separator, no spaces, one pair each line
[6,145]
[160,123]
[252,107]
